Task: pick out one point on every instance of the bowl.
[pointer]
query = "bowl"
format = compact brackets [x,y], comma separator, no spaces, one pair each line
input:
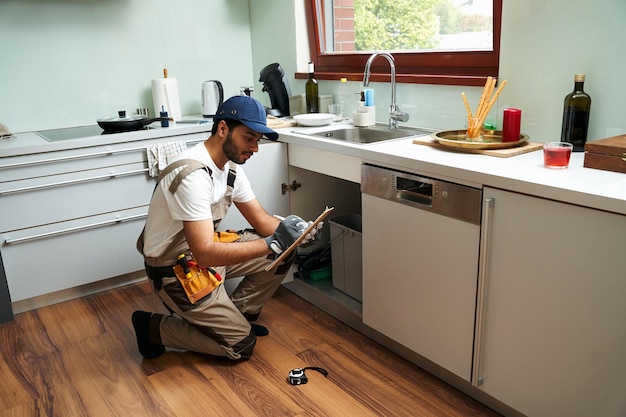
[314,119]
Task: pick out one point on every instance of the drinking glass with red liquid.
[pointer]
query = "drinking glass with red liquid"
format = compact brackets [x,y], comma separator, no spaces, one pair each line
[556,154]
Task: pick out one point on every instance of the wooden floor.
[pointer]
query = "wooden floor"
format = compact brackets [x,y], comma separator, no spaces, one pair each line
[79,358]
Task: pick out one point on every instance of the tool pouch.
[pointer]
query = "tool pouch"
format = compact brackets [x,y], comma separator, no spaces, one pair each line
[226,236]
[197,282]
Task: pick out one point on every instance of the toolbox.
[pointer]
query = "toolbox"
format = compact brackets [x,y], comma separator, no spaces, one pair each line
[607,154]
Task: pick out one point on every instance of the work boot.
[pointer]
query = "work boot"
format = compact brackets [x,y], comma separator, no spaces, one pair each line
[141,324]
[259,330]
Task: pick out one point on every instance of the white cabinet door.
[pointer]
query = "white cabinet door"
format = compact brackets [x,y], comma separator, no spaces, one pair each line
[267,171]
[555,315]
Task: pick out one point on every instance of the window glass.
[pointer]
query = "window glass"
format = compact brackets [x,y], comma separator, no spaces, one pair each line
[433,41]
[409,25]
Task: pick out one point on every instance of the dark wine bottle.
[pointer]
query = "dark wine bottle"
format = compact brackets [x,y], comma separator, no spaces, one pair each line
[576,109]
[312,94]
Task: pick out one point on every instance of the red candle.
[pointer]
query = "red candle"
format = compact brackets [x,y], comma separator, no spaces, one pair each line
[511,125]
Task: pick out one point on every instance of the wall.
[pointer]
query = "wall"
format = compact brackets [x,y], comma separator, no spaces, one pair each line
[543,44]
[70,62]
[273,27]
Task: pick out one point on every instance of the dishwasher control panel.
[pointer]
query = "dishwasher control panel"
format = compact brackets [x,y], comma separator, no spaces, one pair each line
[442,197]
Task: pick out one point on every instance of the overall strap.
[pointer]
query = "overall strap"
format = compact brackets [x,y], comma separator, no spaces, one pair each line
[179,244]
[189,165]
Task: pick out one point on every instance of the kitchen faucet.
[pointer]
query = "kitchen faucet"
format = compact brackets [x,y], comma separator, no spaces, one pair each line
[394,112]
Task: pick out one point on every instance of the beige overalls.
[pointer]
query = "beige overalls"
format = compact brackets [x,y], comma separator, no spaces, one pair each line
[217,324]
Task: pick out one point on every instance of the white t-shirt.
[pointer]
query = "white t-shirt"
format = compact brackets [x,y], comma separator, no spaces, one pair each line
[191,201]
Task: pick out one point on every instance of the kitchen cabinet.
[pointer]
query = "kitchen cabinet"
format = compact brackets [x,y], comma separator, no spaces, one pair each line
[552,339]
[70,213]
[549,311]
[72,216]
[267,172]
[324,178]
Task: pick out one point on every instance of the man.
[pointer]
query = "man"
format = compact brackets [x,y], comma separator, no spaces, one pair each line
[193,194]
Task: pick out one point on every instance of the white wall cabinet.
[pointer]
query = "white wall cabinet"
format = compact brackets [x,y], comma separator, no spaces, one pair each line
[554,335]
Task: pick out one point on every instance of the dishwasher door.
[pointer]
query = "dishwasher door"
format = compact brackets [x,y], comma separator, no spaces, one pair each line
[420,263]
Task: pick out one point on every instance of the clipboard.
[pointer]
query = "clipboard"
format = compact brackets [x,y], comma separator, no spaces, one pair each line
[295,244]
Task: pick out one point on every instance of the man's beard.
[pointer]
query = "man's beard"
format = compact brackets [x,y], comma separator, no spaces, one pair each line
[231,151]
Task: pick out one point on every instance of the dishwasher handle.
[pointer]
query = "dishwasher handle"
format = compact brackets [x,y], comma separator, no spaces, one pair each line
[415,197]
[437,196]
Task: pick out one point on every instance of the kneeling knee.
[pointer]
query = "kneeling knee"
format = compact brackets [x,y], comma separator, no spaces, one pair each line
[246,346]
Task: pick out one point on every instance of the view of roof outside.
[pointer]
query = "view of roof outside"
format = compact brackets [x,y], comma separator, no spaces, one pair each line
[410,25]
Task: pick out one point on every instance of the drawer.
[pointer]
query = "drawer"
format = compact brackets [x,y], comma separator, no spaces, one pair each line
[39,201]
[55,257]
[74,160]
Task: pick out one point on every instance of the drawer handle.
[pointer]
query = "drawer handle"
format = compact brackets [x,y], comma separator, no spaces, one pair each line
[83,156]
[72,182]
[68,158]
[74,229]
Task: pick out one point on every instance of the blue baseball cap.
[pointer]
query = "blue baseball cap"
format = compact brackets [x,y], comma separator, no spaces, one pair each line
[248,111]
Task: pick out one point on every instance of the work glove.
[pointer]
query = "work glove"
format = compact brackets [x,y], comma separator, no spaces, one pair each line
[287,232]
[310,236]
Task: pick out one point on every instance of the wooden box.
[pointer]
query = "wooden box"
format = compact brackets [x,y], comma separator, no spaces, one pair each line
[607,154]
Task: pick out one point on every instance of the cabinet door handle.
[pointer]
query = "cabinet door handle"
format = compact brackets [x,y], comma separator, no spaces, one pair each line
[481,292]
[74,229]
[72,182]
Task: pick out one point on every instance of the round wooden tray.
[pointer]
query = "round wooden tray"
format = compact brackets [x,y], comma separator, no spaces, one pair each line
[492,139]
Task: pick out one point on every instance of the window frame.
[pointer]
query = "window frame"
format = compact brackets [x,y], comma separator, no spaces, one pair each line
[467,68]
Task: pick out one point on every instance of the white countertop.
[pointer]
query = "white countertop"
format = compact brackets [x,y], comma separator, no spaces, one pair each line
[525,173]
[603,190]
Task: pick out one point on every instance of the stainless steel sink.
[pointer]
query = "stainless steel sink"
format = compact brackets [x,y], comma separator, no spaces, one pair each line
[370,134]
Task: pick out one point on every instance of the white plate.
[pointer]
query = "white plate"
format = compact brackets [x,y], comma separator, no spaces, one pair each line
[314,119]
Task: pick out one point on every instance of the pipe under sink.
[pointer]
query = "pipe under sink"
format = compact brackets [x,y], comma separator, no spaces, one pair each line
[371,134]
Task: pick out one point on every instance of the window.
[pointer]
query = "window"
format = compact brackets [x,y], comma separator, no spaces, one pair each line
[454,42]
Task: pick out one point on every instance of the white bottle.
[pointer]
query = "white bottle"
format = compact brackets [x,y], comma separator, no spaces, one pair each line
[343,98]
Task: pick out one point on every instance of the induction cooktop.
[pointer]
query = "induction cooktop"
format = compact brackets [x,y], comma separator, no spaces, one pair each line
[54,135]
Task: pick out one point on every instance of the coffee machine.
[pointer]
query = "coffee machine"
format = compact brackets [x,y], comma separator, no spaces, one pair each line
[277,86]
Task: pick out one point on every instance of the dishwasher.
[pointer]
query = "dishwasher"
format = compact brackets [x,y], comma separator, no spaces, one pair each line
[420,263]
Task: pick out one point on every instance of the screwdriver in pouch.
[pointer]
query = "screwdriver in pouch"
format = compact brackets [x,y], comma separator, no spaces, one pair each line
[182,261]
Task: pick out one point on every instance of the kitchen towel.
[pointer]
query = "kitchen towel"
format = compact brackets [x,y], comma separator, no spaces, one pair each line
[165,93]
[5,133]
[160,154]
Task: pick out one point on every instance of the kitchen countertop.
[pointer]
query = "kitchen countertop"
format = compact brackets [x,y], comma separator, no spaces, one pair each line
[603,190]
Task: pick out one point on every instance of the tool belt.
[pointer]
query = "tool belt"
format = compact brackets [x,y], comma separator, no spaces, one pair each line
[157,273]
[197,282]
